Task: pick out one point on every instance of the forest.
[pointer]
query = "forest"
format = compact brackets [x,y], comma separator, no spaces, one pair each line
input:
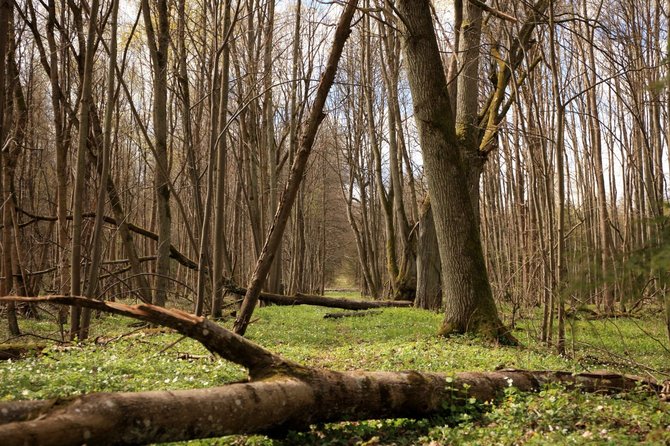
[359,222]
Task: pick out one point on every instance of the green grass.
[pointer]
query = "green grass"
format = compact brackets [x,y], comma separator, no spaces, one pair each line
[130,359]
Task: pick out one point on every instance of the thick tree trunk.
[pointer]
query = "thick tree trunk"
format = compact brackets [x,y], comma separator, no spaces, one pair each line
[281,402]
[469,305]
[281,395]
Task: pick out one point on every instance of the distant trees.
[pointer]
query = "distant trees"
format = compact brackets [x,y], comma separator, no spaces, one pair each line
[165,185]
[596,256]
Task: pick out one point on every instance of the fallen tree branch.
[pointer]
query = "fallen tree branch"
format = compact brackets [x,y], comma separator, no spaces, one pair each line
[215,338]
[280,395]
[320,301]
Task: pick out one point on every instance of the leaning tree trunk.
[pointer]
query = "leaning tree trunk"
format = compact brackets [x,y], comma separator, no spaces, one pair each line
[281,394]
[288,196]
[469,304]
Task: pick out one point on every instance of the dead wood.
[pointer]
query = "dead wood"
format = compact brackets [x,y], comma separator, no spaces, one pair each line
[613,315]
[279,395]
[215,338]
[321,301]
[342,314]
[17,351]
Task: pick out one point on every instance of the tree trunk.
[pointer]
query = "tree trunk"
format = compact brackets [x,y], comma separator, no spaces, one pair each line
[560,186]
[274,283]
[220,262]
[405,282]
[281,395]
[467,101]
[61,156]
[428,285]
[80,174]
[468,298]
[7,281]
[96,256]
[276,231]
[158,48]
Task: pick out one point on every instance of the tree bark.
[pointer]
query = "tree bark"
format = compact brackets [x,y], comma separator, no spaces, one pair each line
[80,174]
[62,146]
[276,231]
[158,48]
[281,394]
[7,281]
[274,282]
[385,197]
[220,262]
[469,304]
[606,243]
[428,267]
[559,139]
[96,255]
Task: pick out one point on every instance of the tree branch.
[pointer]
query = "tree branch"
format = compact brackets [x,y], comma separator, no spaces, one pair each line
[174,252]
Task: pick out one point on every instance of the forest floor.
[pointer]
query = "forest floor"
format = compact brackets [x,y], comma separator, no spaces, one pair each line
[121,357]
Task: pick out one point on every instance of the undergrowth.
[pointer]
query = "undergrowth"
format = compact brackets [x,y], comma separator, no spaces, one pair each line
[121,357]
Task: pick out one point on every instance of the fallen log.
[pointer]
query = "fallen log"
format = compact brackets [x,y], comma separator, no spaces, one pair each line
[17,351]
[357,313]
[321,301]
[281,394]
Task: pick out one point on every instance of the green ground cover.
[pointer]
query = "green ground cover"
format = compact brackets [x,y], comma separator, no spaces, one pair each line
[122,357]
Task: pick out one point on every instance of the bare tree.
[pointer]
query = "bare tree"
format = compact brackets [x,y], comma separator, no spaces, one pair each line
[80,175]
[468,298]
[7,237]
[158,43]
[297,170]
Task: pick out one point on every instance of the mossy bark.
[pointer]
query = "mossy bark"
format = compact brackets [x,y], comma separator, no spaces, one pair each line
[468,300]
